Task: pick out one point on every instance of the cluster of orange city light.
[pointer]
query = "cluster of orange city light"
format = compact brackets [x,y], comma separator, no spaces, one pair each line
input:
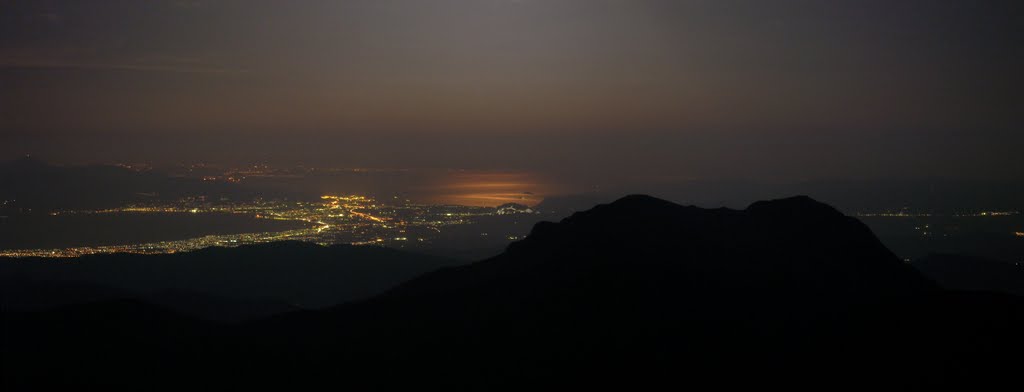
[354,219]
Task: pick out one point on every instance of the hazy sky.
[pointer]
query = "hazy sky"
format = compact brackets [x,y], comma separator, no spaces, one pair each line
[591,88]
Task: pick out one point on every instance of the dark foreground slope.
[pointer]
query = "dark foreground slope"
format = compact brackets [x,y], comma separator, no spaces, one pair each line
[639,292]
[961,272]
[216,283]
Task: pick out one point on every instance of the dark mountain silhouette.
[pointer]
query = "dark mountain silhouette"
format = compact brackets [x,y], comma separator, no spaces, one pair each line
[959,272]
[850,196]
[35,295]
[255,280]
[792,245]
[637,293]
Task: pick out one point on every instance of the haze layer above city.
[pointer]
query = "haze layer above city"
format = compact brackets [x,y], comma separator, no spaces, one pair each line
[879,108]
[512,194]
[582,93]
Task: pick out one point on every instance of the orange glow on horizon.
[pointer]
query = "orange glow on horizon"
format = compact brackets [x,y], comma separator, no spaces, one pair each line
[490,189]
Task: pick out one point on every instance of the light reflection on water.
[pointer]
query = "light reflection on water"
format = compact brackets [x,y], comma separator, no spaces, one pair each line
[487,189]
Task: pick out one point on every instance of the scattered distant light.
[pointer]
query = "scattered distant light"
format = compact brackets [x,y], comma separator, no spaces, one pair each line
[331,222]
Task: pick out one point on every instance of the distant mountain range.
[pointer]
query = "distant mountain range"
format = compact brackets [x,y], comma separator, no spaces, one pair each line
[33,185]
[639,293]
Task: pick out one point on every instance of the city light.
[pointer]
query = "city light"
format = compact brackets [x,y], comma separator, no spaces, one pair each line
[352,219]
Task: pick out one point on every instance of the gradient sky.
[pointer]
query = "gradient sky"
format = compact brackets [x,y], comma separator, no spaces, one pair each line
[599,89]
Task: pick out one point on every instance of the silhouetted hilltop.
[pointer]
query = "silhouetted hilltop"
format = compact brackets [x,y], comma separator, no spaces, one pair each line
[850,196]
[636,293]
[644,290]
[790,245]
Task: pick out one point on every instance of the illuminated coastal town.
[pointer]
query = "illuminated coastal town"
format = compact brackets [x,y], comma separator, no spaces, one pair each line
[452,213]
[352,219]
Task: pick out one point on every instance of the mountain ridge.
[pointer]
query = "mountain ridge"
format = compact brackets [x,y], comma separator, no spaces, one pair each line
[654,228]
[638,292]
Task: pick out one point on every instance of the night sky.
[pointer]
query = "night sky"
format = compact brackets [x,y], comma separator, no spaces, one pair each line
[767,90]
